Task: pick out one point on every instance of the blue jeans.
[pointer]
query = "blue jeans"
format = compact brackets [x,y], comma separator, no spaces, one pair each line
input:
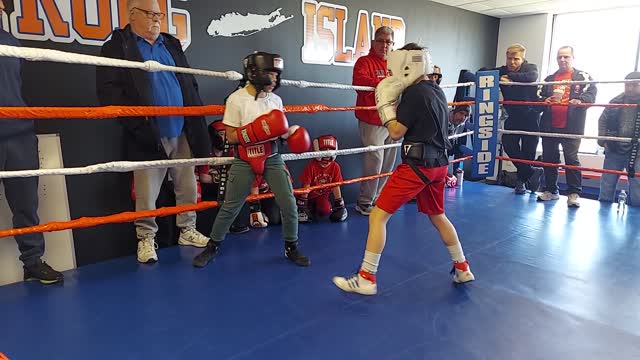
[609,182]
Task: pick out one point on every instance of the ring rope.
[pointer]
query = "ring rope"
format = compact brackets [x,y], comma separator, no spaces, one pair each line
[542,103]
[37,54]
[566,136]
[571,82]
[564,166]
[130,216]
[126,166]
[104,112]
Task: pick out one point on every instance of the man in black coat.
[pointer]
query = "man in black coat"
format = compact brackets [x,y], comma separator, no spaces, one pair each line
[567,119]
[155,137]
[521,117]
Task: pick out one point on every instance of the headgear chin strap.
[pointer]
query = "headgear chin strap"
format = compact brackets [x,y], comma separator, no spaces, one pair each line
[409,65]
[257,67]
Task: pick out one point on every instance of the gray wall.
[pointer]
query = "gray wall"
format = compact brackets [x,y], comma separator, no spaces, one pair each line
[458,39]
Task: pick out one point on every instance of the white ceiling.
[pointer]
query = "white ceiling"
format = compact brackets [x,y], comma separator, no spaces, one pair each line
[510,8]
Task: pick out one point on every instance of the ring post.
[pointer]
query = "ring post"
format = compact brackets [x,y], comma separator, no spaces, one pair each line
[486,123]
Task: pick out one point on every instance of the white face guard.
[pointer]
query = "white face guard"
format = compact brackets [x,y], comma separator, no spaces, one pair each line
[409,65]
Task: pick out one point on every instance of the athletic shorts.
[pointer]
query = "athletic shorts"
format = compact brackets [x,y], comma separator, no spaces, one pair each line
[404,184]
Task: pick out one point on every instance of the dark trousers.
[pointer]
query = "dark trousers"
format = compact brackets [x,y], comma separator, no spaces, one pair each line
[521,147]
[551,154]
[20,152]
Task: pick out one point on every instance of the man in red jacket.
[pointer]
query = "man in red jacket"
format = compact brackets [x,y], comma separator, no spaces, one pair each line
[369,70]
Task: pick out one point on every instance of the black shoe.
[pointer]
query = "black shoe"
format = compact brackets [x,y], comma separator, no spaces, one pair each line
[238,229]
[202,259]
[43,273]
[292,253]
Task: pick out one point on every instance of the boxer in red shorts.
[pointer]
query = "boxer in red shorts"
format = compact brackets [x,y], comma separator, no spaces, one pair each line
[421,118]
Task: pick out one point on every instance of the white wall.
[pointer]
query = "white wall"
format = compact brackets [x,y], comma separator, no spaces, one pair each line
[532,31]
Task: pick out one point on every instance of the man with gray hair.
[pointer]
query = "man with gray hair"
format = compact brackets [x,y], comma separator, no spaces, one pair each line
[155,137]
[369,70]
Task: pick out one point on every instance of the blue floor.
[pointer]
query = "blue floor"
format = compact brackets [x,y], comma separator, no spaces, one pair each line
[552,283]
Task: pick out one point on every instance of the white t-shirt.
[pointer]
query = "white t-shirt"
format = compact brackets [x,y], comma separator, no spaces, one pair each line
[242,108]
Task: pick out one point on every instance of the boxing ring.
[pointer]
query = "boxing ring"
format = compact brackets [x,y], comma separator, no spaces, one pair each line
[551,281]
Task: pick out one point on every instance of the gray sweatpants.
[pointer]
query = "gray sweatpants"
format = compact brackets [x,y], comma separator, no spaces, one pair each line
[239,182]
[147,185]
[20,152]
[375,162]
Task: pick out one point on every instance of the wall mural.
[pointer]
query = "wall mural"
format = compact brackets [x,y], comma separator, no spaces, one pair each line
[325,27]
[87,22]
[235,24]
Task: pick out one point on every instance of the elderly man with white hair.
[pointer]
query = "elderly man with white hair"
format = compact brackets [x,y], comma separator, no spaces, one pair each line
[155,137]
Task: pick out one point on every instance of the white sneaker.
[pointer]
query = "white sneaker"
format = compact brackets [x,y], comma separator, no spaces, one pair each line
[573,200]
[364,209]
[462,273]
[147,250]
[546,196]
[357,283]
[191,237]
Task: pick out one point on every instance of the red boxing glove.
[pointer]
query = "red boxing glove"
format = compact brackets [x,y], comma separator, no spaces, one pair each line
[451,181]
[298,139]
[265,127]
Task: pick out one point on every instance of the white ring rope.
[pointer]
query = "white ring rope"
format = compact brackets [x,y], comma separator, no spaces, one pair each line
[36,54]
[566,136]
[126,166]
[572,82]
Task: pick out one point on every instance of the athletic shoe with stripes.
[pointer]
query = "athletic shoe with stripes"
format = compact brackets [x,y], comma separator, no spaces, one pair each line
[361,282]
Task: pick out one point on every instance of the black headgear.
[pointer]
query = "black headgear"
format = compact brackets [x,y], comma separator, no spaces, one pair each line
[257,66]
[437,72]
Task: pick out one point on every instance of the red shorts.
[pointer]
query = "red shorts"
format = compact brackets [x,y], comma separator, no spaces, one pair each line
[404,184]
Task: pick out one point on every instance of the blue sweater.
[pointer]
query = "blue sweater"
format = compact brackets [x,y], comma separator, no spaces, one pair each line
[11,89]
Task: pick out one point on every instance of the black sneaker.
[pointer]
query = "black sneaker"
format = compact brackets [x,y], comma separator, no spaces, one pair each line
[238,229]
[292,253]
[202,259]
[42,272]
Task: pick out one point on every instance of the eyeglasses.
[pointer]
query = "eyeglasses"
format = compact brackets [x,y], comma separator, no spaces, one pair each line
[151,14]
[382,42]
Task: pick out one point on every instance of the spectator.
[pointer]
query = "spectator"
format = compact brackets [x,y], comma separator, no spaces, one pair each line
[562,117]
[620,122]
[369,70]
[158,137]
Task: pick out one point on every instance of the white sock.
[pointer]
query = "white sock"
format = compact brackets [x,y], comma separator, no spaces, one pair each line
[370,262]
[457,255]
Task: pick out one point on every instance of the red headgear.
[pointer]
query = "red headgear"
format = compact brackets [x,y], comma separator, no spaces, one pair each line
[324,143]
